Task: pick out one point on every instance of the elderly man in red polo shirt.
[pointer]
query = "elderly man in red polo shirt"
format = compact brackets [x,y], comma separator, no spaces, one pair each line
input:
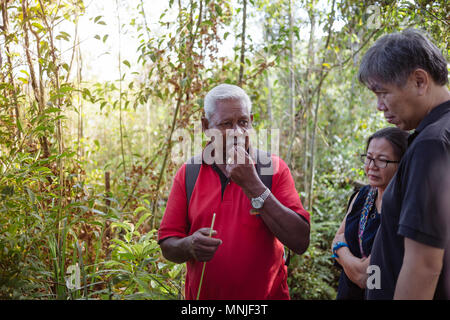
[245,255]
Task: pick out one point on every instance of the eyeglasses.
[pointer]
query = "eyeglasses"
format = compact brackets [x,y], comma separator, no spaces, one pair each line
[379,163]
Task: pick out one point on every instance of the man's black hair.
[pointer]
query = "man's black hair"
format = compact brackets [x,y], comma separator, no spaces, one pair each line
[393,58]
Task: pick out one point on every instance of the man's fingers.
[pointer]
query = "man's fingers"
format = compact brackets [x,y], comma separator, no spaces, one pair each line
[206,231]
[207,241]
[203,250]
[203,247]
[202,237]
[238,155]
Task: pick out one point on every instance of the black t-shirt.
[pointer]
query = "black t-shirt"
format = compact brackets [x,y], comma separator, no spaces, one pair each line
[410,207]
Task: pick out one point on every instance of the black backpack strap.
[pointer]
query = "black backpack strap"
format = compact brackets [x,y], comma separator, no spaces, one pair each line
[264,167]
[355,192]
[192,171]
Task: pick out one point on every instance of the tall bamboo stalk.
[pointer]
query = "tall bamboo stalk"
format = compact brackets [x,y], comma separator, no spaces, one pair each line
[80,151]
[59,134]
[120,97]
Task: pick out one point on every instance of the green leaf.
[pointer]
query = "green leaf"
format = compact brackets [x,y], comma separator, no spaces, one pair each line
[19,124]
[142,219]
[65,67]
[31,195]
[65,88]
[139,209]
[25,81]
[121,225]
[37,25]
[52,109]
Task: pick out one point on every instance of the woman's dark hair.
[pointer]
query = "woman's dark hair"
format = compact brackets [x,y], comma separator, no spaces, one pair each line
[397,138]
[393,58]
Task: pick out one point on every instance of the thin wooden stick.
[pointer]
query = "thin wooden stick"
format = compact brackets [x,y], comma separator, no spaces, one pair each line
[204,263]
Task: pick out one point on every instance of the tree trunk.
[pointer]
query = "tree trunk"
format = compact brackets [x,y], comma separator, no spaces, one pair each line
[12,92]
[242,60]
[38,91]
[316,111]
[268,83]
[310,63]
[291,72]
[301,116]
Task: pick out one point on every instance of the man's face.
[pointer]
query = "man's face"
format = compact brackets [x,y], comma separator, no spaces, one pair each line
[399,104]
[233,120]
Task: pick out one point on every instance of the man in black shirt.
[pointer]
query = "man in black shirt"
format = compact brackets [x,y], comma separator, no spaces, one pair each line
[409,76]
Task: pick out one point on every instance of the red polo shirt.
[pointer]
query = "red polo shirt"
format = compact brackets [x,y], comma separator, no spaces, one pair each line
[249,263]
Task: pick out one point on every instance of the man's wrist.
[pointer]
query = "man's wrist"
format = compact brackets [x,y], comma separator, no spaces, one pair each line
[255,189]
[186,245]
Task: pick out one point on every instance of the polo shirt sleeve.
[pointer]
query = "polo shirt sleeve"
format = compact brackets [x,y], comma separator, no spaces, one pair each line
[283,188]
[420,217]
[175,221]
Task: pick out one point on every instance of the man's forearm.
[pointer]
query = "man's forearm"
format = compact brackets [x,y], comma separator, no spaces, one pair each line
[291,229]
[415,284]
[176,249]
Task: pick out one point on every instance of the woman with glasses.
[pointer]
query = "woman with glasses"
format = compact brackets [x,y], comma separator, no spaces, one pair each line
[353,241]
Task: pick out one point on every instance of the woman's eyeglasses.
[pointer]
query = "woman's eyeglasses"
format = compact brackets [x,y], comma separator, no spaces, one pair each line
[379,163]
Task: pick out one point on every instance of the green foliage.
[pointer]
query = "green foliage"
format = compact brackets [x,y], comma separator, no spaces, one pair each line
[136,268]
[85,166]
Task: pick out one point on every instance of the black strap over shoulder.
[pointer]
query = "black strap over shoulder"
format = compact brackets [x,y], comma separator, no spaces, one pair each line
[355,192]
[192,170]
[264,167]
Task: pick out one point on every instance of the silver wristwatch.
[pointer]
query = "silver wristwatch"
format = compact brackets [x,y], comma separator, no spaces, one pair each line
[258,202]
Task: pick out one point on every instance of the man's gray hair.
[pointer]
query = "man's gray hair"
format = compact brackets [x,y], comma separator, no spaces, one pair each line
[393,58]
[225,92]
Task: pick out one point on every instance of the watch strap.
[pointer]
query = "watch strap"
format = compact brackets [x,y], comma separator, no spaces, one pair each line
[265,194]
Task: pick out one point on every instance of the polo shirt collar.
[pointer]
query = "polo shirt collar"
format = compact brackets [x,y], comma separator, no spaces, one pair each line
[430,118]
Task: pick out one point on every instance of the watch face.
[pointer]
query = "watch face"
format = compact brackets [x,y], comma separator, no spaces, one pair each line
[257,203]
